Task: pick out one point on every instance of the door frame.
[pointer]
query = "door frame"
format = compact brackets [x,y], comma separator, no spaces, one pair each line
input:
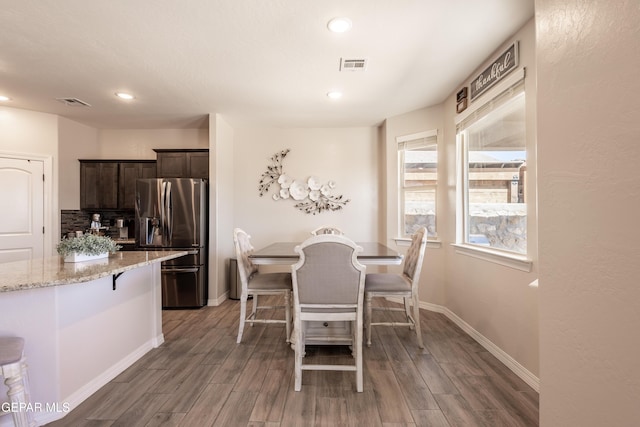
[50,204]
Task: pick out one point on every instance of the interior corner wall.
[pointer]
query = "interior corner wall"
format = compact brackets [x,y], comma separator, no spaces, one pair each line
[221,207]
[432,281]
[383,203]
[588,57]
[494,300]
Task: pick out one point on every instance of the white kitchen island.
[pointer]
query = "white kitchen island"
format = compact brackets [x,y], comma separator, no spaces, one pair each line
[83,323]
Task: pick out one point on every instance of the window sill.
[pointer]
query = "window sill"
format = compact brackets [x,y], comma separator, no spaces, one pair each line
[405,241]
[518,262]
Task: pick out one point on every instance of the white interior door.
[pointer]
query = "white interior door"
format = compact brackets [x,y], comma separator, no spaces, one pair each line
[22,212]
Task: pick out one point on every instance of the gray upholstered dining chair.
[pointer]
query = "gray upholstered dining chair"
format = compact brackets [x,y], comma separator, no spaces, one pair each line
[328,285]
[404,285]
[327,229]
[256,284]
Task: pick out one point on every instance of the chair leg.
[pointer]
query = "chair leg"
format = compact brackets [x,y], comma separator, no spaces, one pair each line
[416,318]
[368,298]
[358,350]
[407,310]
[17,392]
[287,315]
[243,316]
[254,312]
[299,352]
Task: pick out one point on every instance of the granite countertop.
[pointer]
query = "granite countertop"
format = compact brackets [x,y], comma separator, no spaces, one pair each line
[53,271]
[124,241]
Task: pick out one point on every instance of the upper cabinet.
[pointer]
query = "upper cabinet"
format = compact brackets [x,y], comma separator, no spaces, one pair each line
[111,184]
[183,163]
[129,173]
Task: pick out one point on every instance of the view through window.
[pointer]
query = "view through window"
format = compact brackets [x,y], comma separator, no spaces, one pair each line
[494,168]
[418,158]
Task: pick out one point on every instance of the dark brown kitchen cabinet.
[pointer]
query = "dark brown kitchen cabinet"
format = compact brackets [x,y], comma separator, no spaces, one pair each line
[97,189]
[129,173]
[183,163]
[110,184]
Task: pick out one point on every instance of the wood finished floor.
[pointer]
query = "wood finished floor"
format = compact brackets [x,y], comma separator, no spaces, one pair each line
[201,377]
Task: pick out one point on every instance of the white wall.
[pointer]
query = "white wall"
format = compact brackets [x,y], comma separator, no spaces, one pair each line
[221,196]
[348,156]
[76,141]
[589,188]
[29,133]
[494,300]
[138,144]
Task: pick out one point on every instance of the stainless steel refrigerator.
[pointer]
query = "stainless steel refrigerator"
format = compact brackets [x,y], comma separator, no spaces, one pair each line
[171,214]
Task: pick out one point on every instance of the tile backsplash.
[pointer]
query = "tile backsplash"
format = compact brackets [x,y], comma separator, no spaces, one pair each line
[74,220]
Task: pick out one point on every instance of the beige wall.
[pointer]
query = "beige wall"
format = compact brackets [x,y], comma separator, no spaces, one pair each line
[432,279]
[589,186]
[495,300]
[349,156]
[221,206]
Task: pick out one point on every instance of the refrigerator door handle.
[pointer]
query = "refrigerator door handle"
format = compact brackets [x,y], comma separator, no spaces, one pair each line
[168,209]
[163,215]
[179,270]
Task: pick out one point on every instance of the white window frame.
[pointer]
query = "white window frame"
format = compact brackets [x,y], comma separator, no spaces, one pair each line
[410,142]
[506,258]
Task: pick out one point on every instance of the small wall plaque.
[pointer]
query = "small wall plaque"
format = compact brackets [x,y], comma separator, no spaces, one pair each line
[495,72]
[461,100]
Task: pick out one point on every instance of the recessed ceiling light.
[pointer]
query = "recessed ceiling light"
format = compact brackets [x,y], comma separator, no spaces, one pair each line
[4,98]
[123,95]
[339,25]
[334,94]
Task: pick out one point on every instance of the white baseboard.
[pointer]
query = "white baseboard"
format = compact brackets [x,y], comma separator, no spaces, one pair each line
[90,388]
[523,373]
[214,302]
[157,341]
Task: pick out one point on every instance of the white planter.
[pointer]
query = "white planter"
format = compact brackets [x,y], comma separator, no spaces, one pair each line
[74,257]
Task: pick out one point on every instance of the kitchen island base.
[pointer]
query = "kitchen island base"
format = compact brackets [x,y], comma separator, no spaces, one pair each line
[80,336]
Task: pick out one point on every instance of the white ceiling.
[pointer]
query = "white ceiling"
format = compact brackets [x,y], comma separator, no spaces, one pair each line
[264,62]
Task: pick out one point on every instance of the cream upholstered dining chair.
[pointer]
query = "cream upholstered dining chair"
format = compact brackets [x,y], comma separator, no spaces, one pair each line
[13,369]
[403,286]
[327,229]
[255,284]
[328,285]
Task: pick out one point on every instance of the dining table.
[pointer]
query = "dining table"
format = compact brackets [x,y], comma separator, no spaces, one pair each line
[325,333]
[373,253]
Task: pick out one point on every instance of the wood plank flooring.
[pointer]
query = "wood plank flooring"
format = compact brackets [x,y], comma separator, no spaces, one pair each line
[201,377]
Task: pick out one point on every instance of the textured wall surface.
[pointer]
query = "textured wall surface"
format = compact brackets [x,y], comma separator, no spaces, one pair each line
[588,155]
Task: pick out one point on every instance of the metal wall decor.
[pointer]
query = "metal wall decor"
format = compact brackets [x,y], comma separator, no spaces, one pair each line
[313,196]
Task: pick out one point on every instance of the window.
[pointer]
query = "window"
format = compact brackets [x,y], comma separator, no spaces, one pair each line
[492,184]
[418,167]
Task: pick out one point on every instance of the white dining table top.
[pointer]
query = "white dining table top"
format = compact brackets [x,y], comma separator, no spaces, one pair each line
[373,253]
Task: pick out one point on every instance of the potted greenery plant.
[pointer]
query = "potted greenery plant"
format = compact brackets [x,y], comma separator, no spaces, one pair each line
[86,247]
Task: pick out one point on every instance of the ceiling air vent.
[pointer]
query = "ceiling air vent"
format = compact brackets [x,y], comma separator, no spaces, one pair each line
[73,102]
[353,64]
